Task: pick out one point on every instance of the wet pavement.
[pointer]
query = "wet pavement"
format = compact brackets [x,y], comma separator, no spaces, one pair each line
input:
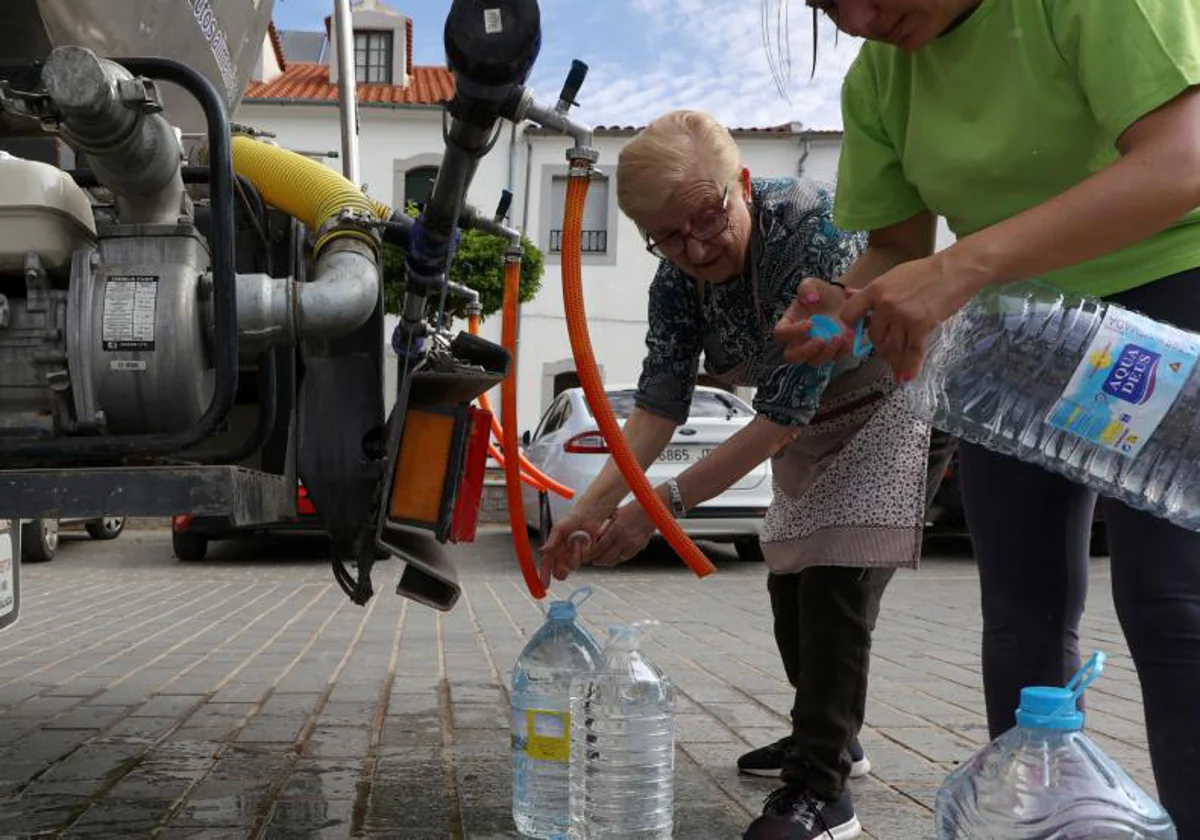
[246,697]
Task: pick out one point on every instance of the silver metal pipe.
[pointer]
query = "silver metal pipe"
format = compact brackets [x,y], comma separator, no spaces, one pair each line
[278,310]
[112,117]
[559,121]
[471,217]
[344,293]
[465,292]
[347,90]
[265,307]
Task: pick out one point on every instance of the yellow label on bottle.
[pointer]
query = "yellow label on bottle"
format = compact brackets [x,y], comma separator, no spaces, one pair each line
[548,735]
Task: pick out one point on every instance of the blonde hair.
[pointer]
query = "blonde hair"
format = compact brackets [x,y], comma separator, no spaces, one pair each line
[676,148]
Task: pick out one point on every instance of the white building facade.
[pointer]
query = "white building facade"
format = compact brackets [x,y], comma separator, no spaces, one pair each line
[400,145]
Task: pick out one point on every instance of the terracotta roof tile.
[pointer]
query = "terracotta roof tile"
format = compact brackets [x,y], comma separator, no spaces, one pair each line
[277,45]
[309,82]
[786,128]
[408,45]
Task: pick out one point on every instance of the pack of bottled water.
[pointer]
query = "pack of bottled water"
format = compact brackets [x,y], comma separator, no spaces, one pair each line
[1045,779]
[1100,394]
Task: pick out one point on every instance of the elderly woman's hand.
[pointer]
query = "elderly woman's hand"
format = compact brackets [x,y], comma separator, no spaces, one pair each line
[813,297]
[906,303]
[625,536]
[568,544]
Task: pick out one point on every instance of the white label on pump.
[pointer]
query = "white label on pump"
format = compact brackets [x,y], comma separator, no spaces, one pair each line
[1126,382]
[130,303]
[127,364]
[492,23]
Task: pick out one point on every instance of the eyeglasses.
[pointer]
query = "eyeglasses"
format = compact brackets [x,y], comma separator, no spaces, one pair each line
[710,224]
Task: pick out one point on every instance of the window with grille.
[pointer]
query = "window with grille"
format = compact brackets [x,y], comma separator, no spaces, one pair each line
[373,56]
[418,184]
[595,216]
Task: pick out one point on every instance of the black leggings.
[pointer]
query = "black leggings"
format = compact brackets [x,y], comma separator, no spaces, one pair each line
[824,618]
[1031,530]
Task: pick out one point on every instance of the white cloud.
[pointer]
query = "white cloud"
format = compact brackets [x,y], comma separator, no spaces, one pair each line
[710,54]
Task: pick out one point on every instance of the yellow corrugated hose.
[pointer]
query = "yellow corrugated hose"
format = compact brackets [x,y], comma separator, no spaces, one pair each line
[304,189]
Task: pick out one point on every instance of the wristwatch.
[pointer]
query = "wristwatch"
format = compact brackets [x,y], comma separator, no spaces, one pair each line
[676,498]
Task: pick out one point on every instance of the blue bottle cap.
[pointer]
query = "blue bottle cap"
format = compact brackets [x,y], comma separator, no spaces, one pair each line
[826,328]
[1046,707]
[1054,707]
[566,610]
[561,611]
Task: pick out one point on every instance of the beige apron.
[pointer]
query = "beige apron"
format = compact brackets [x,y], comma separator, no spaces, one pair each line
[849,489]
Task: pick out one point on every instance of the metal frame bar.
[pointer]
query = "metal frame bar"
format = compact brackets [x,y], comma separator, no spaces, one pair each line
[347,89]
[243,495]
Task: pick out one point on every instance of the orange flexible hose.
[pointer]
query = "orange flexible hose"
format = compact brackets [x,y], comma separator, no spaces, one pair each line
[508,397]
[496,455]
[589,378]
[530,474]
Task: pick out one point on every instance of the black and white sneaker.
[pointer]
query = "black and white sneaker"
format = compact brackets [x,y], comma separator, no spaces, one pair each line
[792,813]
[768,761]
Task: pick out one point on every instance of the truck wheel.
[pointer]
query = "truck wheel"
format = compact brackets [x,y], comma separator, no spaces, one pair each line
[108,528]
[189,547]
[39,540]
[749,549]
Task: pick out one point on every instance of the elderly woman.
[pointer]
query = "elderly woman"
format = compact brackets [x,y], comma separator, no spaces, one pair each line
[848,460]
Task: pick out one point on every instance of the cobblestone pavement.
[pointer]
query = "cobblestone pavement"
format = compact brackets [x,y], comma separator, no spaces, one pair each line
[247,697]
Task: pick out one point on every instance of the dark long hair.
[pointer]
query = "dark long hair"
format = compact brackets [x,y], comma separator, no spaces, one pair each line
[779,53]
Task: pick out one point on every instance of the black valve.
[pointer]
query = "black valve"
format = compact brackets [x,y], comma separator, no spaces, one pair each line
[573,83]
[506,198]
[493,43]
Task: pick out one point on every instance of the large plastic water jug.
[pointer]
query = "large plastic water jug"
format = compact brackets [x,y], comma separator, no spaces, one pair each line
[623,745]
[561,649]
[1105,396]
[1045,779]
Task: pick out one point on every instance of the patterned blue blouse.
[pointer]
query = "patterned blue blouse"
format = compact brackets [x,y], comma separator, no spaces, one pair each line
[792,237]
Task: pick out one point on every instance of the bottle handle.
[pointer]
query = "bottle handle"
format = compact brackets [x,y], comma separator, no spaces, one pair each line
[633,629]
[577,597]
[1083,678]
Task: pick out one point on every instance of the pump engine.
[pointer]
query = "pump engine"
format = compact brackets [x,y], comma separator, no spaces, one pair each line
[191,317]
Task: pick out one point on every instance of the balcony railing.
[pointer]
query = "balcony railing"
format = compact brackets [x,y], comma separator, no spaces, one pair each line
[593,241]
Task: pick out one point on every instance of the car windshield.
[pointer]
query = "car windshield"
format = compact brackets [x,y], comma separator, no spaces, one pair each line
[705,404]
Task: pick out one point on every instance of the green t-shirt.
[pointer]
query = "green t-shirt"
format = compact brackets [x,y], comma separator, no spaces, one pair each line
[1020,102]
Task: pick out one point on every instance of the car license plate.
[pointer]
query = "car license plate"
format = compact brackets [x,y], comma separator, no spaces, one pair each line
[684,454]
[10,575]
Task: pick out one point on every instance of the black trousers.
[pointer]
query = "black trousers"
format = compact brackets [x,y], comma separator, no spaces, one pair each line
[824,617]
[1031,530]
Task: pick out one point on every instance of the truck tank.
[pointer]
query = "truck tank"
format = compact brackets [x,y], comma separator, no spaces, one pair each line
[221,39]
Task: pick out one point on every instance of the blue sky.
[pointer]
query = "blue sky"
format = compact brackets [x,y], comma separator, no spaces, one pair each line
[648,56]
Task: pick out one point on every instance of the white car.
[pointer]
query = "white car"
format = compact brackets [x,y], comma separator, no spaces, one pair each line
[39,537]
[568,447]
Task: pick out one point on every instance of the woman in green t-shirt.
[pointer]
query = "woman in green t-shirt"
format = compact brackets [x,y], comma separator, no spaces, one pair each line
[1060,139]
